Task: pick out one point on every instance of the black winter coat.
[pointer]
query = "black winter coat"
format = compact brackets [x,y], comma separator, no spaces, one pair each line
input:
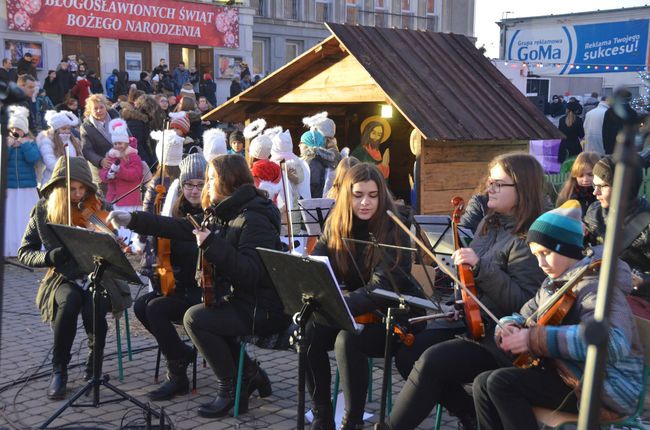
[613,124]
[475,211]
[96,86]
[637,255]
[358,285]
[54,90]
[145,86]
[208,89]
[570,145]
[138,124]
[26,67]
[66,78]
[242,222]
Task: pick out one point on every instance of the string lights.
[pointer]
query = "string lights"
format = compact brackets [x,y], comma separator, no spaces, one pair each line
[577,66]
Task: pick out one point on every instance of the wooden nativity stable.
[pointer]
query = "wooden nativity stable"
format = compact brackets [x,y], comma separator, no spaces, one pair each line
[463,110]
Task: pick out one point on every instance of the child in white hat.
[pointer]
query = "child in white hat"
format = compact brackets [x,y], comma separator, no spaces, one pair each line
[21,178]
[125,173]
[52,142]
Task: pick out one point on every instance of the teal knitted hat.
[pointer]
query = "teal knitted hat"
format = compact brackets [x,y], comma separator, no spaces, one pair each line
[560,230]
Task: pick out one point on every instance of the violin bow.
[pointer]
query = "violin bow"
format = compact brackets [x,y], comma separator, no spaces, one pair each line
[285,191]
[444,268]
[67,182]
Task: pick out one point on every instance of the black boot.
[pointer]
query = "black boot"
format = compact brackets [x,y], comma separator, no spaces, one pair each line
[177,382]
[224,401]
[467,421]
[58,383]
[348,423]
[88,370]
[255,378]
[323,417]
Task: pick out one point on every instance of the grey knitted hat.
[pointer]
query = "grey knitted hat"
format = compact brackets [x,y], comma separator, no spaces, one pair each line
[193,167]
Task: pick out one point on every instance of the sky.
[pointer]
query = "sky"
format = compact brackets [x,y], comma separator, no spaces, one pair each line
[488,12]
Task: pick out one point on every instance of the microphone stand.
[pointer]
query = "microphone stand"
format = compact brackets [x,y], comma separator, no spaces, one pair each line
[132,190]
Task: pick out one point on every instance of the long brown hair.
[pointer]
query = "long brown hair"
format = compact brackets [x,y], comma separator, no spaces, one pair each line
[343,167]
[341,218]
[232,172]
[59,146]
[570,118]
[583,161]
[528,176]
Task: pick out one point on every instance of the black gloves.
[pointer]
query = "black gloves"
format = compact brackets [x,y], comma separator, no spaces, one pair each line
[57,257]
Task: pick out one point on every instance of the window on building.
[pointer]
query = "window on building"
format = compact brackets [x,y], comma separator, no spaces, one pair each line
[260,7]
[290,9]
[432,19]
[323,10]
[292,50]
[381,15]
[407,12]
[351,12]
[260,56]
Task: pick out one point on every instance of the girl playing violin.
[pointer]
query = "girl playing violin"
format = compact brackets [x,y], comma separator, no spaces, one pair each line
[506,276]
[359,214]
[158,312]
[62,295]
[240,219]
[504,397]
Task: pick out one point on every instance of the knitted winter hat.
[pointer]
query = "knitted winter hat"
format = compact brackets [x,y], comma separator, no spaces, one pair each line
[79,171]
[193,167]
[187,90]
[313,138]
[236,136]
[180,121]
[172,144]
[322,123]
[260,147]
[55,120]
[606,166]
[214,143]
[18,118]
[560,230]
[282,146]
[119,130]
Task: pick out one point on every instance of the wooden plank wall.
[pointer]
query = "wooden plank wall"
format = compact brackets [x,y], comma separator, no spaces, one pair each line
[450,169]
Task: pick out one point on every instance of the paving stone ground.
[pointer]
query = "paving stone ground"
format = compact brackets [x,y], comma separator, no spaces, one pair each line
[25,369]
[24,374]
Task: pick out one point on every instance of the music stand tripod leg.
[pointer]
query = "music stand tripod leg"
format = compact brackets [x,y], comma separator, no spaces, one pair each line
[94,384]
[388,349]
[302,318]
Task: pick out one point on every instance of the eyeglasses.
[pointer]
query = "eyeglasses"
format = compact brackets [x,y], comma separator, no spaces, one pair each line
[600,187]
[495,186]
[190,187]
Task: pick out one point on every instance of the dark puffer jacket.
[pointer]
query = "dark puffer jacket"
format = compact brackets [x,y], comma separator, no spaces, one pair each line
[138,123]
[242,222]
[637,255]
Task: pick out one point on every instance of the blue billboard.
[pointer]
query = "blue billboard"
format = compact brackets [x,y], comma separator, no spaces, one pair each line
[611,47]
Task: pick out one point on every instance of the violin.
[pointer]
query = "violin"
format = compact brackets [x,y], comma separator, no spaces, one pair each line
[471,309]
[375,318]
[554,311]
[163,270]
[205,272]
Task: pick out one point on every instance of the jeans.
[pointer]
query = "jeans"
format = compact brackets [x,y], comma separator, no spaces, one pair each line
[438,377]
[159,314]
[504,397]
[70,300]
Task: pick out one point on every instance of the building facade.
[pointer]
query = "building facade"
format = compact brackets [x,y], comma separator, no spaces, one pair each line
[213,37]
[286,28]
[578,53]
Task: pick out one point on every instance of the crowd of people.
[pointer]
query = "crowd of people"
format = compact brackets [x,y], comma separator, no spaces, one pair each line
[590,126]
[169,175]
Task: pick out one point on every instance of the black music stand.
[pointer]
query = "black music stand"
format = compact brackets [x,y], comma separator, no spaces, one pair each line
[308,289]
[437,233]
[314,212]
[97,254]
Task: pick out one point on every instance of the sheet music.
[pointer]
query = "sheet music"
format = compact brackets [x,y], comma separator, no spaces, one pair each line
[324,259]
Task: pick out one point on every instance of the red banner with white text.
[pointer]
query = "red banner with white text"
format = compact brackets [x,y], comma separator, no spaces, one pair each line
[149,20]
